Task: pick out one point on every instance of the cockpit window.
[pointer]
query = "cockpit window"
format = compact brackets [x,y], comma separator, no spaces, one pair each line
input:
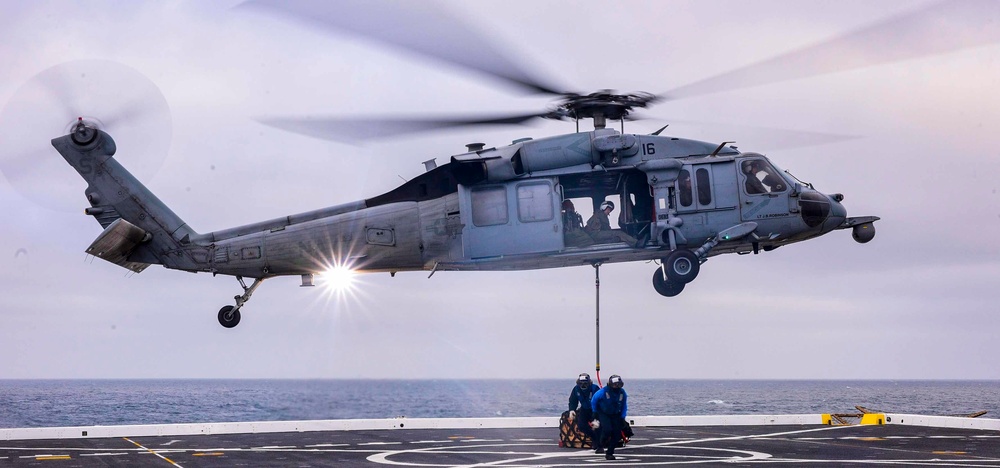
[762,177]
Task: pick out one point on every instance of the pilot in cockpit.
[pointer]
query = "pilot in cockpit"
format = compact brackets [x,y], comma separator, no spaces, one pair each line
[771,182]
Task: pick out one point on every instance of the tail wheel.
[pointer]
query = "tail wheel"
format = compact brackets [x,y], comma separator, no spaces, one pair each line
[229,316]
[666,287]
[682,266]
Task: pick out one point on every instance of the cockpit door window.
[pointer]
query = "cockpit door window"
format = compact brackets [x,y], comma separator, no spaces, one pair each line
[761,177]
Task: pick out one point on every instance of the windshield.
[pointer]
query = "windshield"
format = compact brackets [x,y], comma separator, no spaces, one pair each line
[762,177]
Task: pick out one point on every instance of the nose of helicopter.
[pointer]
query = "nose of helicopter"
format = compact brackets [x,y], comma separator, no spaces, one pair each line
[838,213]
[822,212]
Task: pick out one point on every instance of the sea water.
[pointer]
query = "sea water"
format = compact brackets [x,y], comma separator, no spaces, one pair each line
[45,403]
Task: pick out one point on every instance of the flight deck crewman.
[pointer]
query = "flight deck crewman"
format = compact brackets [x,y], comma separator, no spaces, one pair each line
[579,405]
[599,227]
[610,405]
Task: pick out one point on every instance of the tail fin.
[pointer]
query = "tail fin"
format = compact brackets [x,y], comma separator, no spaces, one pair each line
[139,229]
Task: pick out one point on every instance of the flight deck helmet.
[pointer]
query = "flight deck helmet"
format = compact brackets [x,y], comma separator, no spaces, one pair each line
[615,382]
[583,381]
[608,204]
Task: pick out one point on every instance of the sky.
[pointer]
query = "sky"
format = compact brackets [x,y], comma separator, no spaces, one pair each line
[918,302]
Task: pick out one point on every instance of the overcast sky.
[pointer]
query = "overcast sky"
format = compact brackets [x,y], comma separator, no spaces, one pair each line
[918,302]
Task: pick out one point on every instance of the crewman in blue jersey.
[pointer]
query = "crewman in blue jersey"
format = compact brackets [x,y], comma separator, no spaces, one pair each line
[579,405]
[610,405]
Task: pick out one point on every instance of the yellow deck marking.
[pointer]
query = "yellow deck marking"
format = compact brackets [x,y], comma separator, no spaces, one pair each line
[53,457]
[211,454]
[154,453]
[870,439]
[947,452]
[461,437]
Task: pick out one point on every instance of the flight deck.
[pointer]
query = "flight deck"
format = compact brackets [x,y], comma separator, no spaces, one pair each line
[506,442]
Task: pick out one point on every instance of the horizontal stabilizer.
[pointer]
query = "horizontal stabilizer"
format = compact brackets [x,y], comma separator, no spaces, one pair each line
[117,242]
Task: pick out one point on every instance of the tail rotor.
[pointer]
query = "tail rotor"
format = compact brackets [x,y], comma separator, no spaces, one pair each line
[78,98]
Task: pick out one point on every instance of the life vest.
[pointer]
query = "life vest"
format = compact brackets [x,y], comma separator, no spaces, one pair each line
[611,405]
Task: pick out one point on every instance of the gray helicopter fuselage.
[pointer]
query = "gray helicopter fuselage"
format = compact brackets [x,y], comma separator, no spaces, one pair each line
[490,209]
[499,209]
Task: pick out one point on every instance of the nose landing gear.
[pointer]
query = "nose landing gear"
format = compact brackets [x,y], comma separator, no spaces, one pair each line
[229,316]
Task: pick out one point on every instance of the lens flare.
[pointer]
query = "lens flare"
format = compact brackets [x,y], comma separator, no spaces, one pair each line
[338,278]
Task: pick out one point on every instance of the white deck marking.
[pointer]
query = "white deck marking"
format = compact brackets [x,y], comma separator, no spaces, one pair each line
[150,451]
[105,454]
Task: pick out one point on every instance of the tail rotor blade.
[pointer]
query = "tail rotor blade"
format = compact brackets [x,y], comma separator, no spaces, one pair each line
[48,105]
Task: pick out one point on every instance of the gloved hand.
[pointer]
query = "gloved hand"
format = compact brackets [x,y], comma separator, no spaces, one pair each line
[572,415]
[595,424]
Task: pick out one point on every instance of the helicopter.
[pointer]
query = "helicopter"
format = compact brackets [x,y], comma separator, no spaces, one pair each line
[496,208]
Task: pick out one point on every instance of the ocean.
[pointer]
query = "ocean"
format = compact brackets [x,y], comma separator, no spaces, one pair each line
[46,403]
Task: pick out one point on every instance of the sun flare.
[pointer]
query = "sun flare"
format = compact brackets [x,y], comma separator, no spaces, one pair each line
[338,278]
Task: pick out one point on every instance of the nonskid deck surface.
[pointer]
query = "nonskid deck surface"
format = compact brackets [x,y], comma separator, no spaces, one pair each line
[787,445]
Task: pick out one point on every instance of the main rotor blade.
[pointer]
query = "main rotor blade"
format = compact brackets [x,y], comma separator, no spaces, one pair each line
[759,138]
[356,130]
[769,138]
[421,27]
[939,28]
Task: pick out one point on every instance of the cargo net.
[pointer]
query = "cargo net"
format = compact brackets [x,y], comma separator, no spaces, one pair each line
[570,436]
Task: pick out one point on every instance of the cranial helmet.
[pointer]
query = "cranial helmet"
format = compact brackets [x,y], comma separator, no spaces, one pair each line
[616,382]
[606,205]
[568,206]
[583,380]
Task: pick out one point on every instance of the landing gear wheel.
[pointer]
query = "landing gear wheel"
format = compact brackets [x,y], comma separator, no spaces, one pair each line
[229,316]
[682,266]
[665,287]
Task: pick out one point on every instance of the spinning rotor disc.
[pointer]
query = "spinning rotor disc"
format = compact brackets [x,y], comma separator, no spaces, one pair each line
[426,31]
[99,93]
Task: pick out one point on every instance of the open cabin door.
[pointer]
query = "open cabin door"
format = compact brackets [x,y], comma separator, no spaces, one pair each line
[510,218]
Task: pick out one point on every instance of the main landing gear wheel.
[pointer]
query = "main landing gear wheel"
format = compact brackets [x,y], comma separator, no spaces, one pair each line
[229,316]
[666,287]
[682,266]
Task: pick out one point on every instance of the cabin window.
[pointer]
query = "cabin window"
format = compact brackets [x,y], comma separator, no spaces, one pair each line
[684,188]
[489,206]
[534,203]
[704,187]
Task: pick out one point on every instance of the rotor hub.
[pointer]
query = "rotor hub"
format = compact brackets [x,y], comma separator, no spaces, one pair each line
[604,104]
[83,134]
